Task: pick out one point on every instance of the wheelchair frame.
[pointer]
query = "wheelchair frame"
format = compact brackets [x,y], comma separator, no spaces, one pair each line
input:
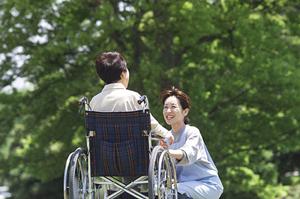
[78,182]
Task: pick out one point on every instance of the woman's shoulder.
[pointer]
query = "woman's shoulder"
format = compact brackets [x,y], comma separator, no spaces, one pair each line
[192,128]
[192,131]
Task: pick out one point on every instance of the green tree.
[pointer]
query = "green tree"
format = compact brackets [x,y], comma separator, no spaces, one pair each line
[238,60]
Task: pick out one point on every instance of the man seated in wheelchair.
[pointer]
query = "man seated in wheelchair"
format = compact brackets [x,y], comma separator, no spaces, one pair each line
[111,67]
[197,175]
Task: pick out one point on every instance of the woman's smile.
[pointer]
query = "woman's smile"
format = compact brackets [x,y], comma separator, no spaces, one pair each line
[173,112]
[169,117]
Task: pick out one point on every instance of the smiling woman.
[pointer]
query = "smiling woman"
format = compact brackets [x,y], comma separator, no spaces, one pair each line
[196,172]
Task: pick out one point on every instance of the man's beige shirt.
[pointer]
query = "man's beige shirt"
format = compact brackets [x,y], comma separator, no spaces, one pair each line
[115,97]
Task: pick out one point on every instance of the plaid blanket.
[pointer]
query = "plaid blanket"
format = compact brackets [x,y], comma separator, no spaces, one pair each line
[120,147]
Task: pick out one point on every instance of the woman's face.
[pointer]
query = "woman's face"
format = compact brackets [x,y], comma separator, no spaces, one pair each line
[173,112]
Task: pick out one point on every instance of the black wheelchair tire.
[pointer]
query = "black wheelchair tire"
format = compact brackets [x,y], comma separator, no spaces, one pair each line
[78,176]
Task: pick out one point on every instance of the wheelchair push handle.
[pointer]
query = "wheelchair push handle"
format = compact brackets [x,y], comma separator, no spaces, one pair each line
[84,104]
[143,100]
[83,100]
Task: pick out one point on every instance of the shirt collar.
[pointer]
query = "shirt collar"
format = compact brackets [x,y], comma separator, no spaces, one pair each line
[179,134]
[113,86]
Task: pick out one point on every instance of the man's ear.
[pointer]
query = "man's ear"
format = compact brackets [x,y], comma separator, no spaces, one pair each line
[122,75]
[186,111]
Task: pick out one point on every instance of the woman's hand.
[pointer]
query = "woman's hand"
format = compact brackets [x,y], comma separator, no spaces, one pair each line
[167,141]
[164,144]
[177,154]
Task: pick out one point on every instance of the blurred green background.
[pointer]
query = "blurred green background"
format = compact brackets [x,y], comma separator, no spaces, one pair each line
[237,59]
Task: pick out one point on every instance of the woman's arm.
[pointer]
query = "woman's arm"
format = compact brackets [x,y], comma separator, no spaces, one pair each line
[160,130]
[193,147]
[178,154]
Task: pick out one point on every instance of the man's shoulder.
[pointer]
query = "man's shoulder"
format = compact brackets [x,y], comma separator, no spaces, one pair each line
[133,93]
[95,99]
[117,93]
[95,96]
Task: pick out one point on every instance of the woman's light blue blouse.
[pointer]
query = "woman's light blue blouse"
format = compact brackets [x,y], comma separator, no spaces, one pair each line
[197,164]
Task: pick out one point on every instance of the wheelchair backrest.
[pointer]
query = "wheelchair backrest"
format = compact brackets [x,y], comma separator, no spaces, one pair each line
[119,146]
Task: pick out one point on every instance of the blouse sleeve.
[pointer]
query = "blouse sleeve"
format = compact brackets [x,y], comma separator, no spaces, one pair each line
[193,148]
[158,129]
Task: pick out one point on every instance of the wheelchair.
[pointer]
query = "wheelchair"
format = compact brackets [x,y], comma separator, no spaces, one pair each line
[121,160]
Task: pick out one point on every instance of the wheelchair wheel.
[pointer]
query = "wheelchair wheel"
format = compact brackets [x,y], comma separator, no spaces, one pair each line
[78,176]
[162,175]
[66,177]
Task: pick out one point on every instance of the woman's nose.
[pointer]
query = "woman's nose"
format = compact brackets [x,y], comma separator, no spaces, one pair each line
[168,110]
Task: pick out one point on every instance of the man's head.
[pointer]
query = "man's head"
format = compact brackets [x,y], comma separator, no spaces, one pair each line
[111,67]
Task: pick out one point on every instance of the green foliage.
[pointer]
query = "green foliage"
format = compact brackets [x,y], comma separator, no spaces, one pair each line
[294,192]
[238,61]
[244,182]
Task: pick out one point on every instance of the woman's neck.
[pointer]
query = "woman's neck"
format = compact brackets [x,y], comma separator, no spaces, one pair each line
[176,127]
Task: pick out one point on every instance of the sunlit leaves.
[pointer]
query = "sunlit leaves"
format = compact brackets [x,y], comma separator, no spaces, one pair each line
[238,61]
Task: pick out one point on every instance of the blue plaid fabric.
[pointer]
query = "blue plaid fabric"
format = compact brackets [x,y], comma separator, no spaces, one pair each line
[120,147]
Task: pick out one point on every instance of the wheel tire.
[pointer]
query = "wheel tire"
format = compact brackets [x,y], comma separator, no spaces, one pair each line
[170,190]
[152,172]
[162,175]
[66,177]
[78,178]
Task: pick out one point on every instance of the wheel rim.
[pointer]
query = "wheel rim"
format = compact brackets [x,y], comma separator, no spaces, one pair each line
[66,177]
[78,175]
[81,178]
[153,172]
[162,175]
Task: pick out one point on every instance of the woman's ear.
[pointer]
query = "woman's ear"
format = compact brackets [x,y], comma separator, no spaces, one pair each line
[186,111]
